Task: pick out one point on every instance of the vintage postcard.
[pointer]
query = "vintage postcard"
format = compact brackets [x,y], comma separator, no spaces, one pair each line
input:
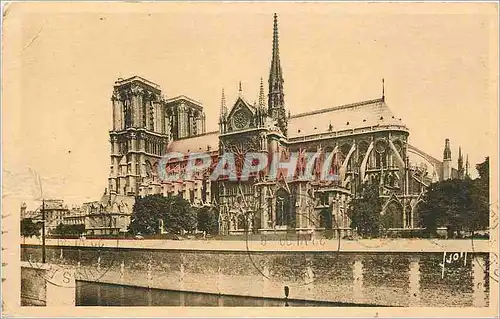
[249,159]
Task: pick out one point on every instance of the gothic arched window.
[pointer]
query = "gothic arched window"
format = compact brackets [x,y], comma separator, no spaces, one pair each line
[325,219]
[128,115]
[242,222]
[393,215]
[151,116]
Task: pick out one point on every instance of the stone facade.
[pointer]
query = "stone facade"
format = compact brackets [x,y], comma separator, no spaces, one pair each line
[139,136]
[365,141]
[108,216]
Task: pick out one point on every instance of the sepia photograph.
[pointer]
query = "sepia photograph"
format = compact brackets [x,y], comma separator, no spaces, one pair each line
[250,159]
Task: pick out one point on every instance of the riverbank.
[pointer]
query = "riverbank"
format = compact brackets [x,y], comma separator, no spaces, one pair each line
[287,244]
[401,279]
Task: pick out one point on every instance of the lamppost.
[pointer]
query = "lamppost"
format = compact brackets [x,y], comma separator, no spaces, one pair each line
[43,230]
[38,181]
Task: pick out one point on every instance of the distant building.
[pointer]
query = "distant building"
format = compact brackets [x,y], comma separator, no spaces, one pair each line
[75,217]
[55,211]
[109,216]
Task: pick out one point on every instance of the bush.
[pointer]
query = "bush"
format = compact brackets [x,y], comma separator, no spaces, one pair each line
[63,230]
[29,228]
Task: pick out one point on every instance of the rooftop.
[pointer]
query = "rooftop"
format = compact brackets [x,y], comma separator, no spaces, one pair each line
[51,204]
[344,117]
[199,143]
[185,98]
[136,78]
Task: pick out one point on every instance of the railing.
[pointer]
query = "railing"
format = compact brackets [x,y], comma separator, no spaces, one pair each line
[363,130]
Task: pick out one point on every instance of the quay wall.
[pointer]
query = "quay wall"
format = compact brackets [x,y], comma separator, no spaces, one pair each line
[369,278]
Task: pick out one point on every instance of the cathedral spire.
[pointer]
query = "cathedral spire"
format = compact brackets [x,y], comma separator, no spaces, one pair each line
[447,160]
[262,96]
[276,97]
[460,163]
[447,150]
[467,166]
[223,107]
[383,89]
[223,113]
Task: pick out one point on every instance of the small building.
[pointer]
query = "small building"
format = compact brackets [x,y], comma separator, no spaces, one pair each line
[109,216]
[55,212]
[75,217]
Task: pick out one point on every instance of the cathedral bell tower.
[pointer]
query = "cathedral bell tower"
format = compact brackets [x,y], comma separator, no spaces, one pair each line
[276,97]
[186,117]
[139,134]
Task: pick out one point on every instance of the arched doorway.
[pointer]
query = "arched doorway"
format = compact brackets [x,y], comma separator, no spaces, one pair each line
[393,215]
[409,216]
[416,214]
[242,222]
[325,219]
[282,208]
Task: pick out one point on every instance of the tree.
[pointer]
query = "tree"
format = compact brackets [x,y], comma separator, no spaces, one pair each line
[60,230]
[29,228]
[364,211]
[446,203]
[460,205]
[480,196]
[79,229]
[484,170]
[178,215]
[69,230]
[208,220]
[148,212]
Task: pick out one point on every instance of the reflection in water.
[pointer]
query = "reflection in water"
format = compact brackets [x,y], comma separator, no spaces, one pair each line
[101,294]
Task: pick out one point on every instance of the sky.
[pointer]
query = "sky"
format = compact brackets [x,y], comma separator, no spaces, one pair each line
[439,62]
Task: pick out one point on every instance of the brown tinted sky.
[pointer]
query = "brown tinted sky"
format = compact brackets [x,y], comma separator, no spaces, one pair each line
[439,62]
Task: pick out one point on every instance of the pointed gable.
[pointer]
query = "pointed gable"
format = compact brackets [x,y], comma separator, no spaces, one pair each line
[241,103]
[241,115]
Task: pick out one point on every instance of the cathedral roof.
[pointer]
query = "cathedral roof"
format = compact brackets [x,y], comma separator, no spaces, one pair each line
[344,117]
[199,143]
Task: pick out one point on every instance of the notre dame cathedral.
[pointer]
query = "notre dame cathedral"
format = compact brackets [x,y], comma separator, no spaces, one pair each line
[367,142]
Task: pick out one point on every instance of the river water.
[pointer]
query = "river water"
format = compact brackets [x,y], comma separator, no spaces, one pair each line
[102,294]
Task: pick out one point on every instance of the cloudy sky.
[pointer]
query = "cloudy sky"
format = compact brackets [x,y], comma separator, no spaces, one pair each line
[439,62]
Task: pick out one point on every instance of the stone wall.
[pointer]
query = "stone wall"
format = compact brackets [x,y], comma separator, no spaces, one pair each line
[33,287]
[393,279]
[47,285]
